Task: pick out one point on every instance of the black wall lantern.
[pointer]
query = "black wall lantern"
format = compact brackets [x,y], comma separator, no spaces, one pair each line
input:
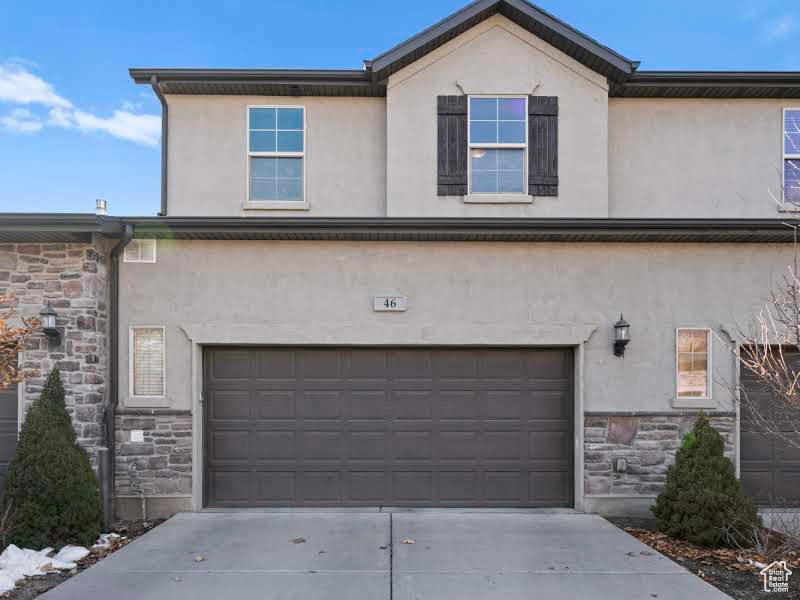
[622,335]
[48,316]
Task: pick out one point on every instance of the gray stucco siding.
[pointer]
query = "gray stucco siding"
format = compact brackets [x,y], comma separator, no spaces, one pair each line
[460,294]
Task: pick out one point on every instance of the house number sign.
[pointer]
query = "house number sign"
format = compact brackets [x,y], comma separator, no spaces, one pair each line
[389,303]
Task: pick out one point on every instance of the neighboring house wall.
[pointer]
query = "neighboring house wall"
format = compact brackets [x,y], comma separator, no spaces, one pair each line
[695,158]
[497,57]
[345,159]
[73,278]
[459,294]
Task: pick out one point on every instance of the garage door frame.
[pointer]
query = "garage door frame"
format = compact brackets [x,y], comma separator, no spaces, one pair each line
[200,491]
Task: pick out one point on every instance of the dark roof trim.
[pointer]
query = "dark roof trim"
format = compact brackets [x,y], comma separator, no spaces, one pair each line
[54,227]
[461,229]
[278,82]
[569,40]
[709,84]
[28,226]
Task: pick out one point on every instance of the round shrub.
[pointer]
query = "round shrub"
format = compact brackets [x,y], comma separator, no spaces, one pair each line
[50,483]
[702,501]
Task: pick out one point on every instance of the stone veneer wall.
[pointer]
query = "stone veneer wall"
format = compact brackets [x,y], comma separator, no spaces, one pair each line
[73,278]
[160,466]
[648,442]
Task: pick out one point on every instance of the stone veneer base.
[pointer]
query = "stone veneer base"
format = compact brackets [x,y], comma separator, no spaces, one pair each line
[648,441]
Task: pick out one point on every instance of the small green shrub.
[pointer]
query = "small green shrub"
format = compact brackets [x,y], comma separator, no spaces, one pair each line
[50,482]
[702,501]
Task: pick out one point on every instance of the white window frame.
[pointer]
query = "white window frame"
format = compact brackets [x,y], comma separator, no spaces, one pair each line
[502,197]
[128,259]
[276,204]
[131,361]
[695,401]
[788,205]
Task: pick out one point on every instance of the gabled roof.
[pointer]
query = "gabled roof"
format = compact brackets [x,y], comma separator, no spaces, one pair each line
[555,32]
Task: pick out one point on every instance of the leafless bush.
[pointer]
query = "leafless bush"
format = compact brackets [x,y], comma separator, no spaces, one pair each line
[8,521]
[779,536]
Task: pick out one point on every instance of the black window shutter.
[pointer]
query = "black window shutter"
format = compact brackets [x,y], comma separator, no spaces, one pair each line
[451,144]
[543,145]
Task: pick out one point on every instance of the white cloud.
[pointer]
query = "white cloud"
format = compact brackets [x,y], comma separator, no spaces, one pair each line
[21,120]
[18,85]
[779,28]
[122,124]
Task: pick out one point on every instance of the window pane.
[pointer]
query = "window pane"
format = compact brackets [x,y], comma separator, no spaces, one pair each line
[510,182]
[484,159]
[482,132]
[791,129]
[289,168]
[511,160]
[262,190]
[289,189]
[148,361]
[262,141]
[261,168]
[684,340]
[511,132]
[511,109]
[290,141]
[699,341]
[290,118]
[262,118]
[484,182]
[791,180]
[483,109]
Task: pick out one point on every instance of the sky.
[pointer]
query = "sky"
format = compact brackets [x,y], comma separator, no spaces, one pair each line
[74,126]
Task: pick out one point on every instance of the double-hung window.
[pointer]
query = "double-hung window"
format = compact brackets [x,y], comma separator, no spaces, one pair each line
[498,148]
[694,364]
[276,154]
[791,156]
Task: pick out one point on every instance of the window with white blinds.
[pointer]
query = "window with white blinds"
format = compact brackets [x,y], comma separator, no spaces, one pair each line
[147,361]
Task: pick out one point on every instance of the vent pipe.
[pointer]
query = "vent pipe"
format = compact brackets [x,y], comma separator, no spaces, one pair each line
[101,209]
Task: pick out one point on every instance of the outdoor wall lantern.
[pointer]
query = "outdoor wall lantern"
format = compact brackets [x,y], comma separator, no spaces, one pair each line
[622,335]
[48,317]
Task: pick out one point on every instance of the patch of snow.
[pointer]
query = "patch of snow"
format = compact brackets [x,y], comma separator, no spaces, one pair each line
[71,554]
[16,563]
[106,540]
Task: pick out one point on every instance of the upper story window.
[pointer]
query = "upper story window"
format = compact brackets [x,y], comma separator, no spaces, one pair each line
[498,134]
[694,363]
[791,155]
[276,154]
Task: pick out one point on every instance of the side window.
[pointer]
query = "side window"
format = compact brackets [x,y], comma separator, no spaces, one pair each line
[791,155]
[147,362]
[141,251]
[694,363]
[276,154]
[498,144]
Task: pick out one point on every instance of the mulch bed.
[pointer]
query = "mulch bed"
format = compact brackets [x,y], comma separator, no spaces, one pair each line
[726,569]
[31,587]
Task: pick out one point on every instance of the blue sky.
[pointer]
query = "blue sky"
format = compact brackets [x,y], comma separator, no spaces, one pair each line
[74,127]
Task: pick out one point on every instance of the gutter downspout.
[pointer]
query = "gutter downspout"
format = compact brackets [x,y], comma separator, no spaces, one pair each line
[164,142]
[113,385]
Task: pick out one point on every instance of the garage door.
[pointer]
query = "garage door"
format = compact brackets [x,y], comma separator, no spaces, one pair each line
[770,469]
[378,426]
[8,429]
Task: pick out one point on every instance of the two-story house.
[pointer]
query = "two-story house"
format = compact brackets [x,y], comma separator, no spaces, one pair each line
[399,285]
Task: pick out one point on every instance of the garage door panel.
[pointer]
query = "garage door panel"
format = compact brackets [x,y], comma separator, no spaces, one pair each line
[770,468]
[382,426]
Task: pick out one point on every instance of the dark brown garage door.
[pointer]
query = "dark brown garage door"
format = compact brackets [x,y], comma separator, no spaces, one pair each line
[8,429]
[360,427]
[770,468]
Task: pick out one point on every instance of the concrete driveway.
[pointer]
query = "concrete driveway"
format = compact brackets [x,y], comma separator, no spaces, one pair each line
[346,555]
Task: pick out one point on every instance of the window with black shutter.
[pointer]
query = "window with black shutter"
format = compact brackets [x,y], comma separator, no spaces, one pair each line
[543,145]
